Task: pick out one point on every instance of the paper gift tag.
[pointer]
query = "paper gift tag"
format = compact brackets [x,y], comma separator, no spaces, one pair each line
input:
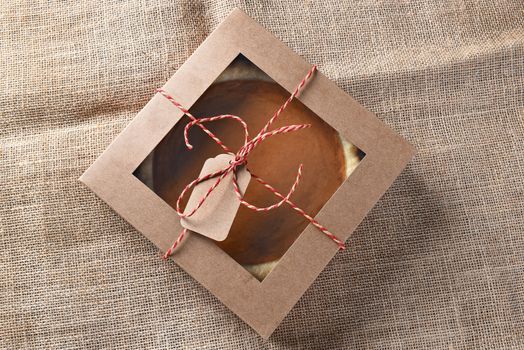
[215,217]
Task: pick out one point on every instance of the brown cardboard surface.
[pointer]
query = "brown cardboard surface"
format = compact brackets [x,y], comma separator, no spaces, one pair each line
[215,217]
[264,304]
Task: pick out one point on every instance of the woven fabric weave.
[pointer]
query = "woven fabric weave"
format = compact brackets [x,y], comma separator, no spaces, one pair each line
[439,262]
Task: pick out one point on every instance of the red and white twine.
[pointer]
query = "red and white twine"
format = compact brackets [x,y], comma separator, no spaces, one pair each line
[241,159]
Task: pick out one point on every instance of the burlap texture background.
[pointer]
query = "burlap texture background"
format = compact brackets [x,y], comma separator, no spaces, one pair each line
[438,264]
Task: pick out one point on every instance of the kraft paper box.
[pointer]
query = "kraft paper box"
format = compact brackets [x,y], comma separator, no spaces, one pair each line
[258,263]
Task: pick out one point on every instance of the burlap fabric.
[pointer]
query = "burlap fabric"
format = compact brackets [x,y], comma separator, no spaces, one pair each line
[438,264]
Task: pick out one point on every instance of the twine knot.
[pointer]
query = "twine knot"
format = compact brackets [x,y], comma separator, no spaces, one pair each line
[240,159]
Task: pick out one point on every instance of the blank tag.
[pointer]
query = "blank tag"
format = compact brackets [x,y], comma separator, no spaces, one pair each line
[215,217]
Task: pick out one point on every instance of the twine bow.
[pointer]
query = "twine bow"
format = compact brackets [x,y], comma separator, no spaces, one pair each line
[241,159]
